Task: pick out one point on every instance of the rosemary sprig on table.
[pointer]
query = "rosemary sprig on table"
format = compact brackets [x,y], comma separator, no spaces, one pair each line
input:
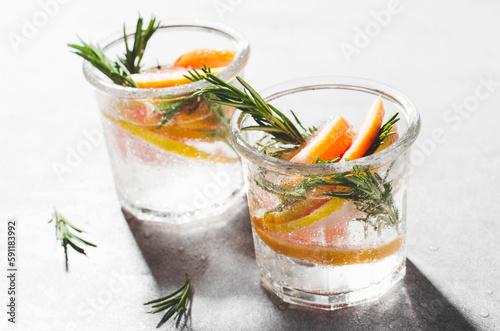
[66,237]
[268,118]
[175,302]
[116,71]
[134,56]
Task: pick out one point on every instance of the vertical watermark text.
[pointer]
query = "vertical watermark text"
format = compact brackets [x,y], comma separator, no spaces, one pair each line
[12,270]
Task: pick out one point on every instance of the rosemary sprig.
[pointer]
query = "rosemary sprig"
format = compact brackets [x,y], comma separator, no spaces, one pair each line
[175,302]
[371,194]
[321,161]
[120,71]
[116,71]
[268,118]
[384,132]
[222,131]
[368,191]
[171,107]
[66,237]
[295,194]
[133,57]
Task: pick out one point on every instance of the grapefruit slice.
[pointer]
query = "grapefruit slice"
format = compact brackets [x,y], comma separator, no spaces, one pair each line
[165,77]
[368,131]
[287,221]
[137,112]
[327,254]
[330,142]
[170,145]
[212,58]
[200,118]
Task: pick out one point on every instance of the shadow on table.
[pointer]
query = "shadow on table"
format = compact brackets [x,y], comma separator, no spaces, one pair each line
[171,250]
[413,304]
[215,255]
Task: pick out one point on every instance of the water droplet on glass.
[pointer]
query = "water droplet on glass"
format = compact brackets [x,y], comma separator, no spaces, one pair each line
[433,248]
[423,304]
[489,291]
[180,249]
[203,258]
[147,234]
[484,314]
[391,326]
[145,272]
[282,306]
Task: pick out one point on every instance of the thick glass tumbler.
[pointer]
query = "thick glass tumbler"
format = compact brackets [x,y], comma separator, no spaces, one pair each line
[318,242]
[185,168]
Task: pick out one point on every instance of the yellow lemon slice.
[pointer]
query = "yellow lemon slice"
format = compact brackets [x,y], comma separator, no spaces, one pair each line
[328,208]
[170,145]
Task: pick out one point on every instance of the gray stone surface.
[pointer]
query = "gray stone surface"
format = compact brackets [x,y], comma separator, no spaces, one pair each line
[438,53]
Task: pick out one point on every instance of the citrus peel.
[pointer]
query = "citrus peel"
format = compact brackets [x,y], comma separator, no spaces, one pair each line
[165,77]
[170,145]
[323,211]
[325,255]
[368,132]
[212,58]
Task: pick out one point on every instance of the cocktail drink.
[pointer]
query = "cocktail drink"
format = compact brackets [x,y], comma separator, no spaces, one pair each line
[329,215]
[169,150]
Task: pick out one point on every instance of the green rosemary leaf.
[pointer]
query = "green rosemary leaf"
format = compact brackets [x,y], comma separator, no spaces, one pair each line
[176,302]
[321,161]
[170,108]
[384,132]
[120,71]
[267,117]
[65,236]
[113,70]
[133,57]
[369,192]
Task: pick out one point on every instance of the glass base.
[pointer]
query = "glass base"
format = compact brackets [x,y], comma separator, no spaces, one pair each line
[188,216]
[333,301]
[327,287]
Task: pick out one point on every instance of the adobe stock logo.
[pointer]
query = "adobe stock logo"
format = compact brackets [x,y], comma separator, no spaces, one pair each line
[223,6]
[372,29]
[454,117]
[30,26]
[75,155]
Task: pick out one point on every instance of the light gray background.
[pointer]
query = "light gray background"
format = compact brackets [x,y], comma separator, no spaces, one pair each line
[439,53]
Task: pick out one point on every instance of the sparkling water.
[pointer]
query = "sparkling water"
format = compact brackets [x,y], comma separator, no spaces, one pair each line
[155,184]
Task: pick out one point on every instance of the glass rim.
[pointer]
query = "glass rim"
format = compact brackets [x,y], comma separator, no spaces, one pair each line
[102,83]
[388,154]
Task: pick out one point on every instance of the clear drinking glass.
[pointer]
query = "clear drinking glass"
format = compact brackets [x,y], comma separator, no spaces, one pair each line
[320,251]
[186,170]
